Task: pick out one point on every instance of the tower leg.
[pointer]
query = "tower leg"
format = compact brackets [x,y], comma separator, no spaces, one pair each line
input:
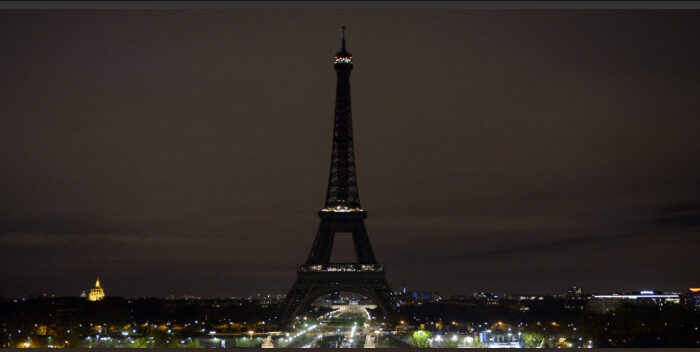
[363,249]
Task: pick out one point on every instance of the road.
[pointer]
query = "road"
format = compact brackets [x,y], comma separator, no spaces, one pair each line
[344,327]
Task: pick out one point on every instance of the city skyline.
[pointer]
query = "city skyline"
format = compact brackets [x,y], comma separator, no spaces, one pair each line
[186,152]
[400,289]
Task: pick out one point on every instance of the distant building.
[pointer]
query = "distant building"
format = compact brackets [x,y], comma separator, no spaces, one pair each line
[606,303]
[692,298]
[418,297]
[96,293]
[83,295]
[488,297]
[574,292]
[267,299]
[458,299]
[500,339]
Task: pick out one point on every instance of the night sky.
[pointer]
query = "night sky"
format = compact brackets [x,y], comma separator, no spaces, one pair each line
[187,152]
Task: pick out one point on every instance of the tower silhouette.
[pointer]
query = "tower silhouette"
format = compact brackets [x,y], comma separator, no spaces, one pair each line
[341,214]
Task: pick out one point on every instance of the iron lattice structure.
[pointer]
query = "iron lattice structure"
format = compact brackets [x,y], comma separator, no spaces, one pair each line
[342,181]
[342,213]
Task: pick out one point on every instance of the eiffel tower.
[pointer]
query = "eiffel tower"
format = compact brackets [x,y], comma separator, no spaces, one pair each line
[343,215]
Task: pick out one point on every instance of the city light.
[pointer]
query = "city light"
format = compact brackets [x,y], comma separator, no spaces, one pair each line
[671,296]
[342,208]
[346,60]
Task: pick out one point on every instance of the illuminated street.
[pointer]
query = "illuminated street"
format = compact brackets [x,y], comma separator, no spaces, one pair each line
[346,326]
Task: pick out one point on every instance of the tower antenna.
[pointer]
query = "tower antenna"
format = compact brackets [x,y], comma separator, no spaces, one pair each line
[343,27]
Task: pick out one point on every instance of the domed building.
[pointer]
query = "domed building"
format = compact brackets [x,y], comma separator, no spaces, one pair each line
[96,293]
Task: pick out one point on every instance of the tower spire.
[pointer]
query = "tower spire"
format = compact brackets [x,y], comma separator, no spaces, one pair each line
[343,49]
[342,194]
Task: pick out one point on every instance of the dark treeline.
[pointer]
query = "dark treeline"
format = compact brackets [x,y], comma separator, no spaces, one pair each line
[122,311]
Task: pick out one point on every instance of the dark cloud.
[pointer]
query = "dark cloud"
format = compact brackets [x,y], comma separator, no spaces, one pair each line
[682,215]
[680,220]
[554,244]
[187,151]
